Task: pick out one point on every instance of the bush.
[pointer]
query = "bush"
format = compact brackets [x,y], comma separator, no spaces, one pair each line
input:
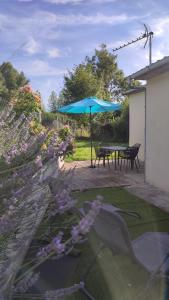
[64,132]
[48,118]
[71,148]
[26,101]
[117,130]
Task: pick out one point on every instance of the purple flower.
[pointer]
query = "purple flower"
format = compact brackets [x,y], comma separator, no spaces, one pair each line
[38,161]
[28,281]
[63,201]
[56,245]
[24,147]
[86,222]
[75,234]
[7,221]
[62,293]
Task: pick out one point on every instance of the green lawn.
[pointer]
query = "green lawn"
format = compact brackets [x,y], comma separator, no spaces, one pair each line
[82,150]
[116,277]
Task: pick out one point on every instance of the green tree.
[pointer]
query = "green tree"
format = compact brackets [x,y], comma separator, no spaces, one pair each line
[12,79]
[121,126]
[80,83]
[2,83]
[53,102]
[105,68]
[61,99]
[98,75]
[27,101]
[3,89]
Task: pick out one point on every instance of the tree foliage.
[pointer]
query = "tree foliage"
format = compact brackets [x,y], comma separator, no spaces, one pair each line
[105,68]
[80,83]
[115,128]
[27,101]
[98,76]
[10,80]
[53,102]
[3,89]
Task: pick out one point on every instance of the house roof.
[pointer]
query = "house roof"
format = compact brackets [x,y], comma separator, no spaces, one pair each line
[135,90]
[160,66]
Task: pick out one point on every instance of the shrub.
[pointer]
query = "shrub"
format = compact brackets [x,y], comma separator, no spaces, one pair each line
[117,130]
[64,132]
[26,101]
[71,148]
[48,118]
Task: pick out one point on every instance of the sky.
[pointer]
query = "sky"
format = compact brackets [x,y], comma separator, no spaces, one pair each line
[47,38]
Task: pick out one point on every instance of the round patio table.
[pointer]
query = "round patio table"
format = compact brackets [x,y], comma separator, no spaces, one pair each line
[116,150]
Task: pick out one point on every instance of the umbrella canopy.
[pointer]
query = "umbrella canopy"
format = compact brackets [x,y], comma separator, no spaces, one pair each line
[89,105]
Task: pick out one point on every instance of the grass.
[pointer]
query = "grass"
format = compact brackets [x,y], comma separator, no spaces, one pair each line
[116,277]
[83,151]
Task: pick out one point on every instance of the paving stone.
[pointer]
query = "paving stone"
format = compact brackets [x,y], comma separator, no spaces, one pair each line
[131,180]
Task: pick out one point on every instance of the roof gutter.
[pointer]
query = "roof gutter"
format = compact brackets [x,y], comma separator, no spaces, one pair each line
[160,66]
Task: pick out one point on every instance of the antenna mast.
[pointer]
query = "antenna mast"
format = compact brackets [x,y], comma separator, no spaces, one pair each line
[148,35]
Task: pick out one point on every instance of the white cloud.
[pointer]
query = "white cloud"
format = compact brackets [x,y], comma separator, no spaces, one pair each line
[47,86]
[129,38]
[64,1]
[81,19]
[45,28]
[32,46]
[39,68]
[160,51]
[160,26]
[53,53]
[45,24]
[74,2]
[160,41]
[136,53]
[24,0]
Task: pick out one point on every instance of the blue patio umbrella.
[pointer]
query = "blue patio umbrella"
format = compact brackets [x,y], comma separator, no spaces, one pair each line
[91,105]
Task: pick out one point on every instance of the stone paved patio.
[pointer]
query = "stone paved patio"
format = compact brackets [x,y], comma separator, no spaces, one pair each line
[86,178]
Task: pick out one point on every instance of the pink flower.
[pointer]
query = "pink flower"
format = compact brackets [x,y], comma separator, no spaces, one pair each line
[26,89]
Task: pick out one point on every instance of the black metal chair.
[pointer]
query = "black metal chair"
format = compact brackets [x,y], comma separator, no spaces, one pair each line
[102,154]
[130,156]
[137,145]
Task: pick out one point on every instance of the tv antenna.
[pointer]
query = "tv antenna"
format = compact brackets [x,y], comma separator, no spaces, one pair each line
[148,35]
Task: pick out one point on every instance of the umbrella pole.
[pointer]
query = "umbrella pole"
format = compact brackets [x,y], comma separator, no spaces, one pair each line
[91,141]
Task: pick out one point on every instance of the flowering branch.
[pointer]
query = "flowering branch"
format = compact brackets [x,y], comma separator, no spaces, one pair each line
[27,282]
[36,150]
[60,294]
[59,249]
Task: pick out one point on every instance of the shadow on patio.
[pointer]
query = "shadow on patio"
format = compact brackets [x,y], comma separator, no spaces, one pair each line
[133,181]
[86,177]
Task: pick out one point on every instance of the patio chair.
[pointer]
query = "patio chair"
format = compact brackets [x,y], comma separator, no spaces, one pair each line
[113,209]
[101,154]
[130,156]
[137,145]
[150,250]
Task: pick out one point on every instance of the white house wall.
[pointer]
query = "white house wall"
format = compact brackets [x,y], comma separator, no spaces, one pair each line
[137,121]
[157,131]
